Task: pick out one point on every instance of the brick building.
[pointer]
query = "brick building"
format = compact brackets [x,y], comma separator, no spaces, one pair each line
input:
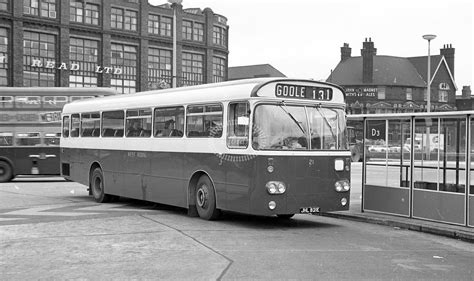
[466,100]
[125,44]
[388,84]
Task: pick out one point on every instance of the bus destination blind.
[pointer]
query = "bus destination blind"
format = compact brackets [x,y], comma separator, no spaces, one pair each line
[303,92]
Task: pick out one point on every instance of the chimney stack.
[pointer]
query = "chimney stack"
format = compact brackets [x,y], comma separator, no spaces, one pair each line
[448,53]
[466,92]
[345,52]
[368,52]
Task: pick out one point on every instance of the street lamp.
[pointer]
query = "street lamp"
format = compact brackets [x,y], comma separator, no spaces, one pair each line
[429,37]
[174,3]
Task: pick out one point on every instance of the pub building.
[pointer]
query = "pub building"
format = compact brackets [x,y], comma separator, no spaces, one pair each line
[389,84]
[123,44]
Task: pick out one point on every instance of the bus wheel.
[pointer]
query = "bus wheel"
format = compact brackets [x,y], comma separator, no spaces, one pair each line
[285,216]
[206,199]
[6,171]
[97,187]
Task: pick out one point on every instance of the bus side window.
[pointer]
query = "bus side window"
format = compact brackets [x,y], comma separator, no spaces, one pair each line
[28,139]
[238,124]
[75,125]
[66,126]
[169,122]
[6,139]
[113,123]
[138,123]
[204,121]
[89,123]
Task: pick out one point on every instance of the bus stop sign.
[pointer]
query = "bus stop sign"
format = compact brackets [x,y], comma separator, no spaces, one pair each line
[376,130]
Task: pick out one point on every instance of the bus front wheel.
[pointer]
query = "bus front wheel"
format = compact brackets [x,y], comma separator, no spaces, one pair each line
[6,171]
[97,187]
[206,199]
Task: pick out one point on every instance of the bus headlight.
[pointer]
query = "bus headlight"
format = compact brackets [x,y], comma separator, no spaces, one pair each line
[275,187]
[339,165]
[342,186]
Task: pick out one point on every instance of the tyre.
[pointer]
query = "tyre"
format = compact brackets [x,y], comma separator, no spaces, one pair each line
[97,187]
[206,199]
[6,171]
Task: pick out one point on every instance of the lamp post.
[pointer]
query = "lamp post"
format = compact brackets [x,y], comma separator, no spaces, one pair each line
[429,37]
[174,3]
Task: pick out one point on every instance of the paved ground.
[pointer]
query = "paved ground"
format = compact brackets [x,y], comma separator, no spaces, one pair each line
[53,230]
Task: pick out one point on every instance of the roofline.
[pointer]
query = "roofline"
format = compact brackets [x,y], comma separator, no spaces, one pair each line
[409,114]
[443,59]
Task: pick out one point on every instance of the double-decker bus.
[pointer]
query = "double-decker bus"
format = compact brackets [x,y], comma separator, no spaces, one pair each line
[260,146]
[30,128]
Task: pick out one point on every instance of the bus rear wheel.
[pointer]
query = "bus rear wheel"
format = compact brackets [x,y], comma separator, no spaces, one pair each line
[6,171]
[97,187]
[206,199]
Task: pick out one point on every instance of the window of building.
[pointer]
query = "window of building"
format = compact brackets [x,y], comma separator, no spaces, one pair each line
[204,121]
[76,12]
[31,7]
[125,58]
[443,95]
[43,8]
[159,25]
[187,30]
[153,24]
[4,5]
[116,18]
[159,68]
[193,31]
[3,57]
[198,31]
[130,20]
[219,36]
[218,69]
[138,123]
[193,69]
[85,54]
[88,14]
[169,122]
[409,94]
[381,93]
[165,26]
[425,94]
[48,8]
[38,50]
[91,14]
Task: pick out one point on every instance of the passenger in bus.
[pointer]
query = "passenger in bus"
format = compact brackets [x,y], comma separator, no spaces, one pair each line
[169,130]
[134,130]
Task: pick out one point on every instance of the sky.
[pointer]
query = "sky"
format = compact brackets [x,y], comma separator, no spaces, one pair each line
[302,38]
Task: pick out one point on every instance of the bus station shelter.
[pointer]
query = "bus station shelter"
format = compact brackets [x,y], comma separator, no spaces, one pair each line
[419,165]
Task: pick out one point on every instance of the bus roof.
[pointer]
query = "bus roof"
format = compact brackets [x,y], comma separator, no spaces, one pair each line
[224,91]
[56,91]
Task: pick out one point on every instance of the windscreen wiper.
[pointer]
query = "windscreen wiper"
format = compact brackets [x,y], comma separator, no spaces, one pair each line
[285,109]
[318,107]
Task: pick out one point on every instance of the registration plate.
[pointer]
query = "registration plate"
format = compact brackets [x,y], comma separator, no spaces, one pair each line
[309,210]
